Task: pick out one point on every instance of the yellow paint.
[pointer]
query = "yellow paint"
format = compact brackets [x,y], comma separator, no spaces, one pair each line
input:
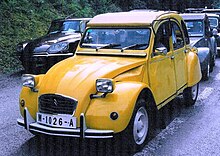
[132,71]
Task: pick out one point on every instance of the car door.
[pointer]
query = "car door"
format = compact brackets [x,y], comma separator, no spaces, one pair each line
[161,66]
[178,46]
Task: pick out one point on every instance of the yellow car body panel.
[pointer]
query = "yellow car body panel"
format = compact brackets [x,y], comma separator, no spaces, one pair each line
[132,70]
[98,113]
[193,69]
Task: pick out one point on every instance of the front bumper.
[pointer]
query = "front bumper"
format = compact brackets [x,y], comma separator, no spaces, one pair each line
[31,125]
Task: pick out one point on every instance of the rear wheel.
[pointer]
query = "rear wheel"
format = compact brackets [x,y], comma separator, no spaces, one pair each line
[190,95]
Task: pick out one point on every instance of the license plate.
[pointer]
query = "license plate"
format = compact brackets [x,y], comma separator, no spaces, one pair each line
[64,121]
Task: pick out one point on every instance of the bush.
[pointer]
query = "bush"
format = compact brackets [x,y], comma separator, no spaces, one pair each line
[23,20]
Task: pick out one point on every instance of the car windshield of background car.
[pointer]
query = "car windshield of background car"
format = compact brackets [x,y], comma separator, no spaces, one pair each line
[195,27]
[64,26]
[116,38]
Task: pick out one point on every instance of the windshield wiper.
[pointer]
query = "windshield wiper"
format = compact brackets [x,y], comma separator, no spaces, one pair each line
[111,45]
[133,46]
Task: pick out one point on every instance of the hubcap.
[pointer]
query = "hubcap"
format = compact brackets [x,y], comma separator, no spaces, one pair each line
[140,128]
[194,91]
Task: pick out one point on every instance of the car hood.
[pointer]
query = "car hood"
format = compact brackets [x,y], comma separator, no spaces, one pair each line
[76,76]
[41,44]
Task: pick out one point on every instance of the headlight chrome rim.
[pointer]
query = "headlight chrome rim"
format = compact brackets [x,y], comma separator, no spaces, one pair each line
[28,81]
[104,85]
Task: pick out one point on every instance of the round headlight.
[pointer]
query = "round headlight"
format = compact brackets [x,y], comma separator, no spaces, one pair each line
[19,48]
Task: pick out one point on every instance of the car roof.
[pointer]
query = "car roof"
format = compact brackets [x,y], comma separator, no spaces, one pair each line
[72,19]
[211,10]
[132,18]
[212,15]
[192,16]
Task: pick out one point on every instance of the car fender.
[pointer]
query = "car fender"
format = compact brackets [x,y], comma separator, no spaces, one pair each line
[193,69]
[203,54]
[212,45]
[122,101]
[29,98]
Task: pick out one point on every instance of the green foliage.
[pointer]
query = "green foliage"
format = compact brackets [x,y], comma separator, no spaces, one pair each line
[22,20]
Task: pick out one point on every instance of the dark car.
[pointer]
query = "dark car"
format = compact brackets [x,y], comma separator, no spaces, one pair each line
[202,38]
[61,41]
[215,26]
[214,19]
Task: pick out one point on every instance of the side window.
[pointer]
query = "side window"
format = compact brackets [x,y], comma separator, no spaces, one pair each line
[162,37]
[177,36]
[185,32]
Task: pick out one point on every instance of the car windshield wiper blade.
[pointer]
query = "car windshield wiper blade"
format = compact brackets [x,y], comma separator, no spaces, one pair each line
[133,46]
[111,45]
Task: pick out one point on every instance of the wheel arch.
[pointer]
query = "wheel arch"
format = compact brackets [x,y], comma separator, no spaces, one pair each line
[193,68]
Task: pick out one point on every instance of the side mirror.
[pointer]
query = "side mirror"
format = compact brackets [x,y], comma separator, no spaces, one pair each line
[160,51]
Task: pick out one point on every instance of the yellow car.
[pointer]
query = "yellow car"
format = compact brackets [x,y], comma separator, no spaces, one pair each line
[127,66]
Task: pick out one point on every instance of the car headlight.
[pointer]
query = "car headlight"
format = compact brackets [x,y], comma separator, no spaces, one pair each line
[19,48]
[104,85]
[58,47]
[28,81]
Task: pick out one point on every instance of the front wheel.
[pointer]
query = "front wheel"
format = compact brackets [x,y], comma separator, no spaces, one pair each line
[190,95]
[140,128]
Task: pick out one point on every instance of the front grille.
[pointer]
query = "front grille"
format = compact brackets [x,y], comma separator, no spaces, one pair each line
[56,104]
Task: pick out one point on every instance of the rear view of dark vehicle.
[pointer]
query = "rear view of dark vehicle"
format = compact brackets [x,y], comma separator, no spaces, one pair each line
[201,37]
[61,41]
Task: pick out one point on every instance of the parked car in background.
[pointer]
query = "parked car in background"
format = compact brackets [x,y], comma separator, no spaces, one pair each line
[215,27]
[128,65]
[63,36]
[214,21]
[202,38]
[213,15]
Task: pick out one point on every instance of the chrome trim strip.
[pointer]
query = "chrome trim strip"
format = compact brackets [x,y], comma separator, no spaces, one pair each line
[27,118]
[49,55]
[20,122]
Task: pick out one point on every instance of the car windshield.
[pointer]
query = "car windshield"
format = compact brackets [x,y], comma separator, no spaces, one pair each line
[116,38]
[195,27]
[64,26]
[213,22]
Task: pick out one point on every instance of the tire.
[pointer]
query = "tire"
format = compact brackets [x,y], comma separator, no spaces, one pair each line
[140,128]
[212,63]
[190,95]
[206,72]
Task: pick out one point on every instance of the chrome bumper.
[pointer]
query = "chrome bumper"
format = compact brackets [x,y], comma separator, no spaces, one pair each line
[31,125]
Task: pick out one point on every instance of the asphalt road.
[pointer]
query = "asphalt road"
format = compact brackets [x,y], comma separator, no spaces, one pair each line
[190,131]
